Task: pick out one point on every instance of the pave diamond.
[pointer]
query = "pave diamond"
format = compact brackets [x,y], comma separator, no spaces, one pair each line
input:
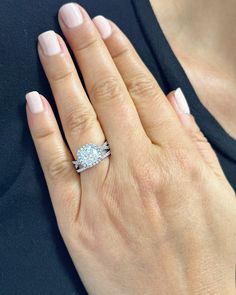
[89,155]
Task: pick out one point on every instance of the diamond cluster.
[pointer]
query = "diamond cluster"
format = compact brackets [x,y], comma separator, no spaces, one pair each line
[89,155]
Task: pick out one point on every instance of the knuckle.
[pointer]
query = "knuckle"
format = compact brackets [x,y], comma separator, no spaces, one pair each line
[147,173]
[77,122]
[70,210]
[199,137]
[107,90]
[89,41]
[148,179]
[44,133]
[121,52]
[112,194]
[186,163]
[142,85]
[61,76]
[58,167]
[86,235]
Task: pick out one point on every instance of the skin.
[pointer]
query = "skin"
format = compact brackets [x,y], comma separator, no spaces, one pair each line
[157,219]
[203,38]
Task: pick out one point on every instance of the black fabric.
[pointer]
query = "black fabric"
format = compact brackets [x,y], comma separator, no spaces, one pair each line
[33,258]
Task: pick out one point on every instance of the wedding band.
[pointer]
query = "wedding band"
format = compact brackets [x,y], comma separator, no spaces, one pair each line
[90,155]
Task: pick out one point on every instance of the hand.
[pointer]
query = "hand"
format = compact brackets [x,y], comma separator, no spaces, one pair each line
[158,216]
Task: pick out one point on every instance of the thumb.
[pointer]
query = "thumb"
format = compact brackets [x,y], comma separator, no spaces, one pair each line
[180,105]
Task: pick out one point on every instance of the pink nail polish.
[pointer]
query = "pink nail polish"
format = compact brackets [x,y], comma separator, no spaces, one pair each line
[34,102]
[49,43]
[103,26]
[71,15]
[181,101]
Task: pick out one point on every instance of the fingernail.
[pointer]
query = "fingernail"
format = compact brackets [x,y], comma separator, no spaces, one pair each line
[181,101]
[103,26]
[34,102]
[49,43]
[71,15]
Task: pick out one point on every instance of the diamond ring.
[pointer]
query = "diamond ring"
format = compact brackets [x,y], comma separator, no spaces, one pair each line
[90,155]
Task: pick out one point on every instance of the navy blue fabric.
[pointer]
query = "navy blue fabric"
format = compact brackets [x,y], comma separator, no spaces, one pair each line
[33,257]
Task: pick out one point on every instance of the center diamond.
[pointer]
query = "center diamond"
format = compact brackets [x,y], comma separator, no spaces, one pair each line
[89,155]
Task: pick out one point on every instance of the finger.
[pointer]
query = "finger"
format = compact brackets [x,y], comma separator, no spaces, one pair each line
[78,117]
[56,160]
[106,89]
[180,105]
[158,118]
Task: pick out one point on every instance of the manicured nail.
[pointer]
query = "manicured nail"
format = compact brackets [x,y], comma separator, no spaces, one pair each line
[49,43]
[103,26]
[181,102]
[71,15]
[34,102]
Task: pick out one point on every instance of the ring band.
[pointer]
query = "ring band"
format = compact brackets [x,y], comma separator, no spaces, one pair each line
[90,155]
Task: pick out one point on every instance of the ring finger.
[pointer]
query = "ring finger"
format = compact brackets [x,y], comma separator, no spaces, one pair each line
[78,117]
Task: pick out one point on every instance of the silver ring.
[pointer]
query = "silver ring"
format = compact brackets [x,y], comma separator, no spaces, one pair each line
[90,155]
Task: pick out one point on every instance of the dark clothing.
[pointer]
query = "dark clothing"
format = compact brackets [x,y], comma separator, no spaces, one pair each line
[33,258]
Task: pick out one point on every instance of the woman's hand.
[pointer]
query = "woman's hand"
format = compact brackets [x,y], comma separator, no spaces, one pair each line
[158,216]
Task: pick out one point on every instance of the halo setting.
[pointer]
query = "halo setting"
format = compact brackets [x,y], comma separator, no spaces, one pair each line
[90,155]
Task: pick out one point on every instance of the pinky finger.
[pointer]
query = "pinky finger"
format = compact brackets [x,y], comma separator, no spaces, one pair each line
[180,105]
[55,158]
